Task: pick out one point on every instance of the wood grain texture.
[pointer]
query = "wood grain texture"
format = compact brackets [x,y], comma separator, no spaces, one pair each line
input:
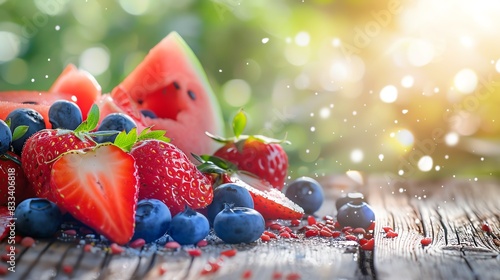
[451,212]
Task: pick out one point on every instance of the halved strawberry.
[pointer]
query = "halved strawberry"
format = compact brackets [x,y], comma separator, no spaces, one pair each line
[257,154]
[43,147]
[99,187]
[271,203]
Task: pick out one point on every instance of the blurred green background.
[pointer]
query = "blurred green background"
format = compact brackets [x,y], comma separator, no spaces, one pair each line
[404,88]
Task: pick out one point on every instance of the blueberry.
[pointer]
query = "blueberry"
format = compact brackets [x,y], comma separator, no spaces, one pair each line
[5,137]
[152,220]
[307,193]
[37,217]
[356,214]
[231,194]
[25,116]
[115,122]
[236,225]
[65,114]
[149,114]
[189,227]
[349,197]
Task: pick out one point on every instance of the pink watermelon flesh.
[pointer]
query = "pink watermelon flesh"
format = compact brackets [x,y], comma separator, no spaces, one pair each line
[171,82]
[72,84]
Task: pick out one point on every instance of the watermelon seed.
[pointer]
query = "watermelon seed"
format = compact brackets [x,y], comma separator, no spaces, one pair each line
[176,85]
[192,95]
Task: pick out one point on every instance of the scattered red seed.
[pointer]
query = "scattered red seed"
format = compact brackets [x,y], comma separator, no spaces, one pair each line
[295,223]
[138,243]
[311,233]
[264,237]
[287,229]
[211,267]
[5,257]
[275,226]
[229,253]
[386,228]
[116,249]
[10,248]
[162,269]
[28,241]
[337,225]
[247,274]
[285,234]
[70,232]
[336,234]
[426,241]
[172,245]
[325,233]
[277,275]
[67,269]
[194,252]
[368,245]
[359,231]
[311,220]
[293,235]
[327,218]
[3,270]
[88,247]
[346,229]
[270,234]
[351,237]
[486,227]
[293,276]
[391,234]
[362,241]
[202,243]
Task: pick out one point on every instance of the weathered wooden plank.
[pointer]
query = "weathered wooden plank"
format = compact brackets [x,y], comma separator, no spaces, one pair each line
[447,212]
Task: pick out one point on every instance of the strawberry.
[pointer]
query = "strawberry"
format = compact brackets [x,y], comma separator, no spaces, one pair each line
[167,174]
[43,147]
[13,182]
[5,220]
[256,154]
[268,201]
[99,187]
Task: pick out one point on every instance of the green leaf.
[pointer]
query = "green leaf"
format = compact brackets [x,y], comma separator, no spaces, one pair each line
[239,123]
[8,122]
[19,132]
[91,122]
[126,140]
[147,133]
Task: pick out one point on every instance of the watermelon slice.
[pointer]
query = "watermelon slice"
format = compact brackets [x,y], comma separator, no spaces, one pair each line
[72,84]
[171,83]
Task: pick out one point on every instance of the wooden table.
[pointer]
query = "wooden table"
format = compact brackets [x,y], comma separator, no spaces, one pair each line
[452,212]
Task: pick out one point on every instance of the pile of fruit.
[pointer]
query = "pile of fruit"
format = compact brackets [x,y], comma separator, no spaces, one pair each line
[145,162]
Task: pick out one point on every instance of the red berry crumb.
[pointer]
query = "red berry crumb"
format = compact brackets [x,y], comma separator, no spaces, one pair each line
[116,249]
[27,242]
[293,276]
[247,274]
[264,237]
[386,228]
[162,269]
[3,270]
[88,247]
[426,241]
[138,243]
[368,245]
[172,245]
[391,234]
[270,234]
[67,269]
[311,220]
[202,243]
[277,275]
[229,253]
[486,227]
[194,252]
[295,223]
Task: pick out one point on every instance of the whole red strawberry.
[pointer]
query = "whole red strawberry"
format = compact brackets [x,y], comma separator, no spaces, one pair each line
[167,174]
[13,182]
[256,154]
[45,146]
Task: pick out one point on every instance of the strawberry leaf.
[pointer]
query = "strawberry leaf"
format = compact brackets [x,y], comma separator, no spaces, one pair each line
[91,122]
[147,133]
[239,123]
[19,131]
[126,140]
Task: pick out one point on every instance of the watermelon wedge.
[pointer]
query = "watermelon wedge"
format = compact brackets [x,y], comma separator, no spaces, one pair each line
[72,84]
[171,83]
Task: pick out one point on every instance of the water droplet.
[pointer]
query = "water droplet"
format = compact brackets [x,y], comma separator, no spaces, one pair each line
[32,80]
[46,76]
[313,129]
[425,163]
[220,70]
[265,40]
[401,172]
[404,111]
[48,59]
[57,27]
[451,138]
[381,157]
[357,155]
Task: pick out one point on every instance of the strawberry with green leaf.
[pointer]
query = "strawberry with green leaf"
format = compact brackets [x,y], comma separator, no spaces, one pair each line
[165,172]
[270,202]
[256,154]
[45,146]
